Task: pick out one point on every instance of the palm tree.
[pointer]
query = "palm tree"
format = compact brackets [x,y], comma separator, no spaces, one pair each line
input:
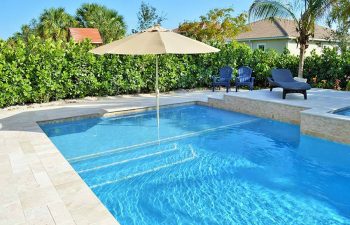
[110,24]
[340,16]
[54,23]
[304,13]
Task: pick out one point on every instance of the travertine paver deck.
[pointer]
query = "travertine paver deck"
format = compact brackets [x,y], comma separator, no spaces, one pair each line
[322,99]
[37,185]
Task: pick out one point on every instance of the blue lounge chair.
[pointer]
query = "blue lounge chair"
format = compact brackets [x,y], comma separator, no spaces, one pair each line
[224,79]
[244,78]
[283,78]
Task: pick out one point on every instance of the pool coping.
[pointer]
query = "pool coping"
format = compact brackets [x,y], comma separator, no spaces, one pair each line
[325,124]
[122,112]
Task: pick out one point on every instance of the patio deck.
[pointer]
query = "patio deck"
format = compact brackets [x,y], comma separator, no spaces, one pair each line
[38,186]
[322,99]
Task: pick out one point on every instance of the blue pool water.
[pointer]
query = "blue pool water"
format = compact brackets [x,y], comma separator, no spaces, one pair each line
[209,167]
[344,112]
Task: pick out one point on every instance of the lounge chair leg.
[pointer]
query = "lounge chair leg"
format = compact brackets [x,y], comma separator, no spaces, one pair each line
[271,88]
[236,88]
[305,95]
[284,94]
[227,88]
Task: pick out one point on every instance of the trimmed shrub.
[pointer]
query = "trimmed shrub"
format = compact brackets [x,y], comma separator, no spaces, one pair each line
[42,71]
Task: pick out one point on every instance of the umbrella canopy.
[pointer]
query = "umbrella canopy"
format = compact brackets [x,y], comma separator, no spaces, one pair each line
[155,41]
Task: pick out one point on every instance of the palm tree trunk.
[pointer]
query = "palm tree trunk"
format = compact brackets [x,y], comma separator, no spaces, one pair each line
[301,60]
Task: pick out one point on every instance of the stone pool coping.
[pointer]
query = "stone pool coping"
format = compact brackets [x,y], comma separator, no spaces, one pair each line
[325,124]
[38,185]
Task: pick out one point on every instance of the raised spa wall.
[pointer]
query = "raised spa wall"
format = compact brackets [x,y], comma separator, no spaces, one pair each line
[315,122]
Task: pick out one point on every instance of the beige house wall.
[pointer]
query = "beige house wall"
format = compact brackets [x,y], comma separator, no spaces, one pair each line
[318,46]
[280,44]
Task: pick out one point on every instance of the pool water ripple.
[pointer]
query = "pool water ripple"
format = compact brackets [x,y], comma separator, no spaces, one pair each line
[257,171]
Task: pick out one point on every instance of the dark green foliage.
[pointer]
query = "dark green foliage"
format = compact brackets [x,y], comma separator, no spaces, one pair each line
[44,70]
[147,17]
[54,23]
[329,70]
[218,24]
[108,21]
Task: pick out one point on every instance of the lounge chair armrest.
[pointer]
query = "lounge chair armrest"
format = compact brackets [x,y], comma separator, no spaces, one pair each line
[215,78]
[270,80]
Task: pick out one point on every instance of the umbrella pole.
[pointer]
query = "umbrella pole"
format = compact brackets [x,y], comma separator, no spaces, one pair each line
[157,94]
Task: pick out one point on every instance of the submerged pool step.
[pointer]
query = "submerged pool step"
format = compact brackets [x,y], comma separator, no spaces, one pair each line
[162,141]
[122,170]
[120,157]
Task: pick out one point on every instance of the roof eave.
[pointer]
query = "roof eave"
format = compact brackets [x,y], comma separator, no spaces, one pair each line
[281,38]
[263,38]
[319,39]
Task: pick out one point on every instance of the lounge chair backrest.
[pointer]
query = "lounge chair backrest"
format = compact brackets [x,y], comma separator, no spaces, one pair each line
[244,73]
[282,75]
[226,73]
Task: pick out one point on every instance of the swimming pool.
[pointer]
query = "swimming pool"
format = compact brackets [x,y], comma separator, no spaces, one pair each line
[209,166]
[344,112]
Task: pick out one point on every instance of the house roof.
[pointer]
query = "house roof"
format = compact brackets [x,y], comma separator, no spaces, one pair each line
[278,28]
[79,34]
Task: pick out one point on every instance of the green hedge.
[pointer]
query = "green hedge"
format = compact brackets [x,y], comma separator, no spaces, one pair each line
[329,70]
[42,71]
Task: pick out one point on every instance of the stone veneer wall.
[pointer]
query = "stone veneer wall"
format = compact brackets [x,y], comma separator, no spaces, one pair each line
[312,122]
[270,110]
[326,126]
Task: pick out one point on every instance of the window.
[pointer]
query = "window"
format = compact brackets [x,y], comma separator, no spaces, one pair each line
[261,46]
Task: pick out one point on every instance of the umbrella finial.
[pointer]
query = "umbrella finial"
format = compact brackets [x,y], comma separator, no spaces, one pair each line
[156,28]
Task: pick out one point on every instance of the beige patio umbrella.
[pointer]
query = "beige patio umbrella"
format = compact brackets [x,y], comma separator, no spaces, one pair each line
[155,41]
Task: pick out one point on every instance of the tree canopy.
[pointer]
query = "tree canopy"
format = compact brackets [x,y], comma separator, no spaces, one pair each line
[340,16]
[148,17]
[217,25]
[54,23]
[110,24]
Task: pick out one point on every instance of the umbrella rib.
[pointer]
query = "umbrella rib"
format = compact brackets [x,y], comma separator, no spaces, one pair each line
[163,44]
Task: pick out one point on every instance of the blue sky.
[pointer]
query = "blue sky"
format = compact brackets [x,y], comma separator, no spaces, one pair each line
[15,13]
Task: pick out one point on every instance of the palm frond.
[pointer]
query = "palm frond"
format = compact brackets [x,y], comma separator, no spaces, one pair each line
[320,8]
[263,9]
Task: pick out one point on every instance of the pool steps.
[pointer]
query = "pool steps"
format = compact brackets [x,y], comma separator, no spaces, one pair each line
[162,140]
[128,160]
[130,166]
